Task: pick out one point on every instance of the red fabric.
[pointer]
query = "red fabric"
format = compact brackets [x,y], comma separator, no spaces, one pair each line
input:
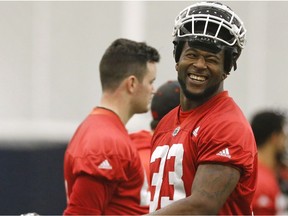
[216,132]
[267,192]
[142,141]
[99,191]
[101,149]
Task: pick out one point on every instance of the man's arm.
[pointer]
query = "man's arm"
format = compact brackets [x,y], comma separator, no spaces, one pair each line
[212,185]
[90,195]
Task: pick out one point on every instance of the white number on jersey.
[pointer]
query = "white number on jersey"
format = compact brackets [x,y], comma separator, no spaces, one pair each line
[175,177]
[145,192]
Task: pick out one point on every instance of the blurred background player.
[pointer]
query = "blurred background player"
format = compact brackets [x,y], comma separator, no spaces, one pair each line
[204,155]
[166,98]
[268,128]
[102,168]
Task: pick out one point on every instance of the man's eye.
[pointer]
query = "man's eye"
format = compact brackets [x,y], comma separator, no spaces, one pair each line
[212,60]
[191,55]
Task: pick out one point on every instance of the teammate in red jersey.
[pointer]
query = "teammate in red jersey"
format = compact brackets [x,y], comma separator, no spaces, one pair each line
[204,155]
[164,100]
[268,128]
[102,168]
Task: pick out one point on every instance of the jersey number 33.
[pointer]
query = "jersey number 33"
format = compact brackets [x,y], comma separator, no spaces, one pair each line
[166,153]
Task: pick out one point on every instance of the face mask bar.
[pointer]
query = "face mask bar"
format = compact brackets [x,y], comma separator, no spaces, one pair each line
[198,21]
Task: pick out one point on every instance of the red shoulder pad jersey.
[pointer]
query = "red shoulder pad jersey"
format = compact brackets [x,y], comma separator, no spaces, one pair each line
[142,141]
[102,154]
[268,199]
[216,132]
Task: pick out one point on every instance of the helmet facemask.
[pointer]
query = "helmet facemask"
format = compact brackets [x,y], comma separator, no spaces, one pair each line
[212,25]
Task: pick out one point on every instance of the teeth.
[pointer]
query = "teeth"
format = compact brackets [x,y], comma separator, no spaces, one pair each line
[199,78]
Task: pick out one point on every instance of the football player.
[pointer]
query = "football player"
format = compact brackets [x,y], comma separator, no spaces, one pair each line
[268,126]
[102,168]
[204,155]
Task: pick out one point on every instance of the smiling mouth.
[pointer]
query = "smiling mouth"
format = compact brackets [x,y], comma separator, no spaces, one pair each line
[197,78]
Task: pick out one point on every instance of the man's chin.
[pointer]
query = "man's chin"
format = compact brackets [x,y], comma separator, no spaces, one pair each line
[143,111]
[198,95]
[194,96]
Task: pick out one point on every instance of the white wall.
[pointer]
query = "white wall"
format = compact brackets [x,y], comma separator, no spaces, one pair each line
[50,51]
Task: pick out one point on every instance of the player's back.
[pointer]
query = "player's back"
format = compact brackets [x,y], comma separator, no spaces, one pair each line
[102,148]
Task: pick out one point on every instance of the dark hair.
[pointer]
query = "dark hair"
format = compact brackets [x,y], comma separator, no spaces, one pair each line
[265,123]
[123,58]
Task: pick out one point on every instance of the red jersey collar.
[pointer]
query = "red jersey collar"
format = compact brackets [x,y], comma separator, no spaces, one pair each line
[105,111]
[183,115]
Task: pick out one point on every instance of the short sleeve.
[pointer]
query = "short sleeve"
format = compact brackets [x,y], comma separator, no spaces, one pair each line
[227,142]
[110,167]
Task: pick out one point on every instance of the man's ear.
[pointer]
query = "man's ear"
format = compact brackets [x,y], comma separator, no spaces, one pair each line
[176,66]
[131,83]
[224,76]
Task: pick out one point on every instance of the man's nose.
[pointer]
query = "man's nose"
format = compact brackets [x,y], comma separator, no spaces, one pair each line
[200,62]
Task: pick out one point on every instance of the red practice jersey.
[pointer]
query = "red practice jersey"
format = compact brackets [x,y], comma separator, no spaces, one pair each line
[268,199]
[216,132]
[102,169]
[142,141]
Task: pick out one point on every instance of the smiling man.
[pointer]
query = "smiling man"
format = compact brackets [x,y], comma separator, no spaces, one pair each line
[204,156]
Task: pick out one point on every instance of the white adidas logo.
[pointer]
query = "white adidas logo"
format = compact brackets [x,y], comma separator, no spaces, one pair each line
[105,165]
[195,132]
[224,153]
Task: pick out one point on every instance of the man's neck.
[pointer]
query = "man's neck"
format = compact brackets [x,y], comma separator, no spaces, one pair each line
[117,105]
